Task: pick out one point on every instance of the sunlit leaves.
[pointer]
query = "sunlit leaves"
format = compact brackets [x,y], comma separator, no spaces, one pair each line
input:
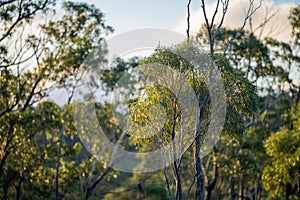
[280,178]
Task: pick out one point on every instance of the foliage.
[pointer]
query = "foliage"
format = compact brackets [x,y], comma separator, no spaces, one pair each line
[295,20]
[281,177]
[40,147]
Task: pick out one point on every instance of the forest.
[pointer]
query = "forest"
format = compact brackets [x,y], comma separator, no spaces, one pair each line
[52,151]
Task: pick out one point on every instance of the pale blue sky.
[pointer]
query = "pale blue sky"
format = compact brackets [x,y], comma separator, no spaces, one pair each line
[126,15]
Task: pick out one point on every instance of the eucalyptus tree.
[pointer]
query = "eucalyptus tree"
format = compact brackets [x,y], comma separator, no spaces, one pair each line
[33,61]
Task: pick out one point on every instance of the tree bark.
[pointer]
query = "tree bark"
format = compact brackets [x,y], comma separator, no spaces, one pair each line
[210,185]
[178,182]
[188,20]
[199,177]
[141,192]
[5,189]
[231,189]
[58,163]
[171,197]
[258,187]
[90,189]
[6,153]
[241,192]
[18,188]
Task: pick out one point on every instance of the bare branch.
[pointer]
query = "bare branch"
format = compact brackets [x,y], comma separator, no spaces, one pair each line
[225,8]
[6,2]
[98,180]
[251,10]
[205,15]
[250,25]
[209,26]
[191,186]
[267,18]
[31,94]
[171,197]
[205,176]
[22,16]
[215,13]
[188,20]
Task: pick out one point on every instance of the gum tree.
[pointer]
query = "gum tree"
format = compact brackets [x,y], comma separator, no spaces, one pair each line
[37,62]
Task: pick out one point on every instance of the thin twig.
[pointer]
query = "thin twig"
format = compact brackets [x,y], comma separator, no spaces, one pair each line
[251,10]
[188,20]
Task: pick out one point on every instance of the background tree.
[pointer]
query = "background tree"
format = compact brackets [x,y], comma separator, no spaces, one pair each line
[281,176]
[37,64]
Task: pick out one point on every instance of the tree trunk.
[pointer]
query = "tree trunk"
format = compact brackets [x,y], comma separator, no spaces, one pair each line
[299,184]
[89,190]
[258,187]
[176,165]
[141,192]
[178,182]
[199,178]
[209,185]
[9,139]
[208,194]
[58,165]
[18,188]
[5,189]
[231,189]
[241,192]
[288,191]
[168,184]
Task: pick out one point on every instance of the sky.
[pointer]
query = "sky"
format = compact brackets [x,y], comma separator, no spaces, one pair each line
[127,15]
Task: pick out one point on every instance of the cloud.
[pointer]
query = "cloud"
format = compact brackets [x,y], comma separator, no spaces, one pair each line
[278,26]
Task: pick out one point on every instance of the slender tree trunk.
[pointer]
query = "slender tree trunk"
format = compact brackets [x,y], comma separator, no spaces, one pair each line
[178,182]
[232,191]
[208,194]
[176,165]
[241,192]
[188,20]
[141,192]
[58,165]
[258,187]
[57,173]
[18,188]
[168,184]
[209,186]
[5,190]
[3,161]
[288,191]
[89,190]
[6,153]
[299,184]
[199,177]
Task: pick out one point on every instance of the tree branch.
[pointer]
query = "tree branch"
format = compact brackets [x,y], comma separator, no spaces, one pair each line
[22,16]
[188,20]
[225,8]
[215,13]
[251,10]
[6,2]
[98,180]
